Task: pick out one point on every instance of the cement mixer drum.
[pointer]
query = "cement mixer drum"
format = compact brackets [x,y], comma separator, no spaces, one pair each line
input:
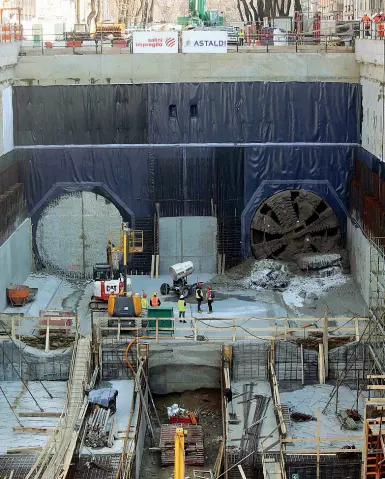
[181,270]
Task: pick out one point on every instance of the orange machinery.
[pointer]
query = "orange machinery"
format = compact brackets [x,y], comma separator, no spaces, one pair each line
[105,29]
[9,29]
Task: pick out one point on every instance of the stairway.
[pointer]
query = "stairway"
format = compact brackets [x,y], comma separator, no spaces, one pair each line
[375,447]
[55,459]
[271,467]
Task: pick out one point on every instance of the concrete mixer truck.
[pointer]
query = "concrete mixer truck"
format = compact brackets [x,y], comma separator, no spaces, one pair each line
[179,273]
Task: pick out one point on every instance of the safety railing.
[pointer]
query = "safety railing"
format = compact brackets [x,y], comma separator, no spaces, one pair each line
[236,329]
[264,41]
[372,30]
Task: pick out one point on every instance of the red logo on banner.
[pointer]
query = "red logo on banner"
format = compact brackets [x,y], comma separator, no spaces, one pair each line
[170,42]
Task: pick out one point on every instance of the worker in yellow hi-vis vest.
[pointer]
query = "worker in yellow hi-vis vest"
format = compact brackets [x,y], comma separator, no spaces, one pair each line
[241,36]
[182,309]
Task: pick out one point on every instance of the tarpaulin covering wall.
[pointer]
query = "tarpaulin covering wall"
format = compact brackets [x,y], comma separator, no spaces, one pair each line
[187,113]
[228,182]
[93,114]
[224,182]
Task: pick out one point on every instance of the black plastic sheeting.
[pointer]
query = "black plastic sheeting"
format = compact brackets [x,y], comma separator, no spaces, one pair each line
[222,112]
[188,181]
[93,114]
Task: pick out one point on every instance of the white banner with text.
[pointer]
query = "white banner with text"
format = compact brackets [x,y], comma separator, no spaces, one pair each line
[155,42]
[204,42]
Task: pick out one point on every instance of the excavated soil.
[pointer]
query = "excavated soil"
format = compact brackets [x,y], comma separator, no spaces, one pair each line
[208,401]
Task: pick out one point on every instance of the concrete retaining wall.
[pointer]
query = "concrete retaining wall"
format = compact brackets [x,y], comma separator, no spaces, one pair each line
[15,260]
[370,58]
[359,253]
[184,367]
[191,238]
[34,364]
[85,69]
[8,54]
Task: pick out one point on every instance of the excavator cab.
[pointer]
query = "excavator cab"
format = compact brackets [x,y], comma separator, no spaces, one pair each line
[102,272]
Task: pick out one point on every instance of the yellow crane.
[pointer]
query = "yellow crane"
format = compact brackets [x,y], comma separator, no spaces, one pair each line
[179,454]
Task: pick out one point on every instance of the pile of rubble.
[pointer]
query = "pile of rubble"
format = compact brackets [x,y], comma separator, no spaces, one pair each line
[277,275]
[306,275]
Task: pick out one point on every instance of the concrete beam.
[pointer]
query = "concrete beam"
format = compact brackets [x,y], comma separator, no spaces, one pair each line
[370,51]
[8,54]
[101,69]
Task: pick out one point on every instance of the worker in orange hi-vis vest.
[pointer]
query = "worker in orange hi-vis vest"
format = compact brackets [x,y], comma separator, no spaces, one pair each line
[155,301]
[380,19]
[366,21]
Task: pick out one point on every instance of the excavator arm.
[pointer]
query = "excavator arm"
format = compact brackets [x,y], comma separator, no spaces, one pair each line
[179,454]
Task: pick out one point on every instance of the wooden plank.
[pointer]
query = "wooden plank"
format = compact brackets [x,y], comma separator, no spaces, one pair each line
[302,367]
[39,414]
[152,265]
[325,340]
[321,364]
[157,266]
[323,451]
[37,430]
[375,376]
[24,450]
[315,439]
[376,386]
[318,442]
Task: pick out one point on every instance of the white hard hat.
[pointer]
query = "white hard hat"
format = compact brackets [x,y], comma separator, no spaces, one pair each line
[381,13]
[181,296]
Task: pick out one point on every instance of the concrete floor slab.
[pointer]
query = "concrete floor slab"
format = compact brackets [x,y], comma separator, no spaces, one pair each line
[124,402]
[59,293]
[307,400]
[21,400]
[269,423]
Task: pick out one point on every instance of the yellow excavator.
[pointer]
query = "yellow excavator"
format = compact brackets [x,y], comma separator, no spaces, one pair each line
[179,453]
[126,304]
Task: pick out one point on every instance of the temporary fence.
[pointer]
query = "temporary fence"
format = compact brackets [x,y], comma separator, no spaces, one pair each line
[39,42]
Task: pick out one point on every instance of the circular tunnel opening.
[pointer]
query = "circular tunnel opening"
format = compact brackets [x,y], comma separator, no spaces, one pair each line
[73,232]
[294,222]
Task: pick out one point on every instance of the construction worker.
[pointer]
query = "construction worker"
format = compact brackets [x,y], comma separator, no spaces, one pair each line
[210,295]
[241,36]
[144,301]
[380,19]
[182,309]
[366,21]
[199,296]
[380,22]
[155,301]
